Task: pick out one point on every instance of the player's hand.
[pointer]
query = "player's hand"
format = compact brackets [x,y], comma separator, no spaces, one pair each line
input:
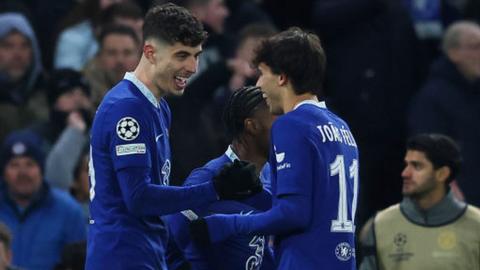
[237,180]
[199,232]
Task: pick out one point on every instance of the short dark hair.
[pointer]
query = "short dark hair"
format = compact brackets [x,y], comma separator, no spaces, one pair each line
[439,149]
[117,29]
[170,23]
[5,236]
[241,105]
[299,55]
[128,9]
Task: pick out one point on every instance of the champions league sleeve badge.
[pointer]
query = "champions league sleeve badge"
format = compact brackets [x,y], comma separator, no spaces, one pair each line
[128,128]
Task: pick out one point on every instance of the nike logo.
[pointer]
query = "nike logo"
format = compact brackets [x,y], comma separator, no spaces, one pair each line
[158,137]
[280,156]
[246,214]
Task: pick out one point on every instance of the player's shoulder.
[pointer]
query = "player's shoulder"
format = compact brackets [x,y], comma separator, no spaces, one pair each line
[122,100]
[289,122]
[209,170]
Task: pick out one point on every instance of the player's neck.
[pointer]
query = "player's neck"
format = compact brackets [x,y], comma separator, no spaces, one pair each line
[291,100]
[245,152]
[142,72]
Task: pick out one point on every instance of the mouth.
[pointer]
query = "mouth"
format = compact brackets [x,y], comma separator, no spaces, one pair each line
[181,81]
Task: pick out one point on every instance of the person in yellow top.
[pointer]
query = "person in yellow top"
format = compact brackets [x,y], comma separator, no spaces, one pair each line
[430,228]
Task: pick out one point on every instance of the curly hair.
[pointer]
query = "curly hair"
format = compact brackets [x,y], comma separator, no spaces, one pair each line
[297,54]
[241,105]
[170,23]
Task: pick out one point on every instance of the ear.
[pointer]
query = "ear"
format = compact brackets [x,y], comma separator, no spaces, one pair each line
[149,52]
[282,80]
[250,126]
[443,173]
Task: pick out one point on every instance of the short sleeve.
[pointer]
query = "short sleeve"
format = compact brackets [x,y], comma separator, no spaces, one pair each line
[129,132]
[293,158]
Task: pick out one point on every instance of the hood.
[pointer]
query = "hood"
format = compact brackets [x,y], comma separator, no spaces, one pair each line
[10,21]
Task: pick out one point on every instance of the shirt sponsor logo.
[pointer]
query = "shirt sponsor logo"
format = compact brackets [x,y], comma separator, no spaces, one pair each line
[344,251]
[280,157]
[130,149]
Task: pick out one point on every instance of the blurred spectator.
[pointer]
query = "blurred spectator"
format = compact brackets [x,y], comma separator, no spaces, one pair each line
[449,102]
[45,17]
[77,43]
[241,65]
[373,71]
[243,13]
[5,248]
[73,257]
[65,134]
[430,18]
[120,51]
[21,98]
[429,229]
[125,13]
[80,188]
[42,219]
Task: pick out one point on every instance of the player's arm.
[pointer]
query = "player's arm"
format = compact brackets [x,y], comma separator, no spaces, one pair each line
[144,198]
[234,181]
[292,208]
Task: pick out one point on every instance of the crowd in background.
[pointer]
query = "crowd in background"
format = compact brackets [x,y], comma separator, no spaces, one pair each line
[395,68]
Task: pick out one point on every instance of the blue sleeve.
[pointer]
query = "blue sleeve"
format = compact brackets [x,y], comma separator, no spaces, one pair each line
[294,155]
[293,161]
[143,198]
[129,134]
[277,220]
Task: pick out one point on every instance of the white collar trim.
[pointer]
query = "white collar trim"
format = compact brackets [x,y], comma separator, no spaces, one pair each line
[230,154]
[320,104]
[130,76]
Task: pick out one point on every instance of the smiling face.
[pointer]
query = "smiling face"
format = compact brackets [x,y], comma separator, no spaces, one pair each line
[172,65]
[269,83]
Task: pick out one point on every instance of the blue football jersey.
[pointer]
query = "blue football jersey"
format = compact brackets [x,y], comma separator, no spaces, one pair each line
[314,155]
[130,130]
[240,252]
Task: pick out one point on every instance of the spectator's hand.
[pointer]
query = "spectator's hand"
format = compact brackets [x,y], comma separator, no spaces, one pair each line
[237,180]
[75,120]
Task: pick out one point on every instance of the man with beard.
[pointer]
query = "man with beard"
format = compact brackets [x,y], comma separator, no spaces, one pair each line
[430,228]
[42,219]
[119,53]
[22,99]
[130,159]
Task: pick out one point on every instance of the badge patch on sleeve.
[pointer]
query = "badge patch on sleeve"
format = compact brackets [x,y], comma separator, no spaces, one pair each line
[128,128]
[130,149]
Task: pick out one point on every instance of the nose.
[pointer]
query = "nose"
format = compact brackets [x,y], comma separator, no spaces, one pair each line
[406,172]
[192,65]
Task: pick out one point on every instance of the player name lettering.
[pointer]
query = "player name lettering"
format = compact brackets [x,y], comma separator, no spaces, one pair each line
[332,133]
